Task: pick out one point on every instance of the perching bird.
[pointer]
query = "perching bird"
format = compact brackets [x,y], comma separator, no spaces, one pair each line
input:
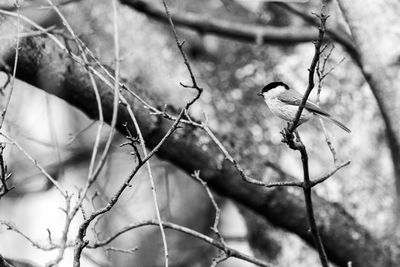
[284,103]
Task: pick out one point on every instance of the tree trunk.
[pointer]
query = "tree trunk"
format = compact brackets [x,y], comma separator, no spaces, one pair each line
[375,28]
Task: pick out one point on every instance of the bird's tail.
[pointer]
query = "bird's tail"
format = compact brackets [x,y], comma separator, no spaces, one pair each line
[338,123]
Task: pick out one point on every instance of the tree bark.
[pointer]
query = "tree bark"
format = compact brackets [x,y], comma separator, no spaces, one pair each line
[345,239]
[375,28]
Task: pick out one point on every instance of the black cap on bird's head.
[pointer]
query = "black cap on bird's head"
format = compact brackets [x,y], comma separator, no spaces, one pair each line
[272,86]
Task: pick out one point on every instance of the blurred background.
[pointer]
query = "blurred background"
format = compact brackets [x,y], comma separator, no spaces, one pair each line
[232,72]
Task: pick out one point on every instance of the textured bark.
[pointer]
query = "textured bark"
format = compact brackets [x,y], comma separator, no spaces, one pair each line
[42,63]
[375,27]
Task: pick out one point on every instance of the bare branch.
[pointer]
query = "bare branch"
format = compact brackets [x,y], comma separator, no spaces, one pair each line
[11,227]
[327,176]
[277,184]
[237,31]
[41,169]
[337,35]
[196,175]
[214,242]
[297,144]
[322,74]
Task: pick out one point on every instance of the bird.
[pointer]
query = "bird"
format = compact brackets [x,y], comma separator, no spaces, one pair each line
[284,102]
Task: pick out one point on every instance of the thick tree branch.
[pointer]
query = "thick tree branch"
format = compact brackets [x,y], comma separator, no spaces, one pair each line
[41,60]
[374,25]
[238,31]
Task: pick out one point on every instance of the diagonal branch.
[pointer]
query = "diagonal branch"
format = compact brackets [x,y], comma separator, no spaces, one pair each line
[298,144]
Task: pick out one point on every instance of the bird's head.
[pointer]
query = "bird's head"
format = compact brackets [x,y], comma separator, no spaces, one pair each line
[275,86]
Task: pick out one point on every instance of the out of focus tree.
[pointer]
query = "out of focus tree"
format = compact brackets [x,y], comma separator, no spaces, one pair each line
[379,61]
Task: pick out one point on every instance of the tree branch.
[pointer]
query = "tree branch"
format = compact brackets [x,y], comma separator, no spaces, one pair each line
[228,29]
[337,35]
[380,57]
[168,225]
[298,144]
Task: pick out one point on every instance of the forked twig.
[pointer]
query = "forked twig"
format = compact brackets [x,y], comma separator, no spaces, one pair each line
[322,74]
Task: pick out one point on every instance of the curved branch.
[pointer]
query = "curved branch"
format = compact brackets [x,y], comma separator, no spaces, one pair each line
[380,57]
[337,35]
[228,29]
[168,225]
[40,59]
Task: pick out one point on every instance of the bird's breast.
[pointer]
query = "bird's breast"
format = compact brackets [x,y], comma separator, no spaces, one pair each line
[285,111]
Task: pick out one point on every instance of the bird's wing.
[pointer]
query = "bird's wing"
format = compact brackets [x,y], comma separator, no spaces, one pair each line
[294,98]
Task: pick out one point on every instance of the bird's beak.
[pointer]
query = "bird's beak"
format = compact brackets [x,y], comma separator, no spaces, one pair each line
[260,94]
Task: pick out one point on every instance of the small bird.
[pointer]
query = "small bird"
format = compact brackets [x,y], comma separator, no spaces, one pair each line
[284,103]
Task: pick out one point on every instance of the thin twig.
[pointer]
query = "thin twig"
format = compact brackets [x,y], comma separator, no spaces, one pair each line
[153,188]
[322,74]
[71,212]
[328,140]
[122,250]
[290,132]
[229,157]
[80,243]
[196,175]
[288,183]
[10,226]
[220,258]
[27,34]
[74,136]
[214,242]
[311,72]
[185,58]
[92,175]
[41,169]
[83,227]
[327,176]
[64,234]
